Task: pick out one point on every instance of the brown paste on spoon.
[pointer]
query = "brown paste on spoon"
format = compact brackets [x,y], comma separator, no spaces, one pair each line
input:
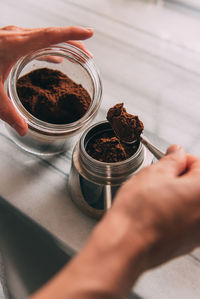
[109,147]
[126,126]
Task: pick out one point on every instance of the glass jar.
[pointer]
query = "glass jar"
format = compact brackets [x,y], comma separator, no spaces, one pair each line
[93,184]
[46,138]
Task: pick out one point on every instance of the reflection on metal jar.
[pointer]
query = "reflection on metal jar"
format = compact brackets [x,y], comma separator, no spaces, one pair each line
[93,184]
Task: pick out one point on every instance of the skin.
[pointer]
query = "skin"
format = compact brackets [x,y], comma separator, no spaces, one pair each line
[155,217]
[156,213]
[22,41]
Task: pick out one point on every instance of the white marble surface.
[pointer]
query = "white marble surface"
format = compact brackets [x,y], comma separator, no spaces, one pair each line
[149,57]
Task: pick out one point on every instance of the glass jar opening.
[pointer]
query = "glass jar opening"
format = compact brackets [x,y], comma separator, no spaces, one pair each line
[77,65]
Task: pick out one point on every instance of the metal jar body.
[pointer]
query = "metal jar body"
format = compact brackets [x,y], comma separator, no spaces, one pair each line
[93,184]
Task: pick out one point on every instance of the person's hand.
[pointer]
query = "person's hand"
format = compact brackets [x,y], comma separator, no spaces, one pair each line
[16,42]
[162,204]
[155,217]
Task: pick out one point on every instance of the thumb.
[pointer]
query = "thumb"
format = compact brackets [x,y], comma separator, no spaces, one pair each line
[10,115]
[174,148]
[175,160]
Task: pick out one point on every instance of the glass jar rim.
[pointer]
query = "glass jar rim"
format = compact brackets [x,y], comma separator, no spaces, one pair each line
[67,51]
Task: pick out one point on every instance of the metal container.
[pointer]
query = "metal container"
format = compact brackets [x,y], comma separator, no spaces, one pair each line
[93,184]
[45,138]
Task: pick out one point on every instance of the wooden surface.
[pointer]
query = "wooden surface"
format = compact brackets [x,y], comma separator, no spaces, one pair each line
[148,55]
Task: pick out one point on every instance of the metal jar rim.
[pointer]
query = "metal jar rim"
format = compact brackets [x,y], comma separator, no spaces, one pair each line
[102,172]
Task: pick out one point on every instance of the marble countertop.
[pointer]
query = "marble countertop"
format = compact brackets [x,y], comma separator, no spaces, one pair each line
[148,56]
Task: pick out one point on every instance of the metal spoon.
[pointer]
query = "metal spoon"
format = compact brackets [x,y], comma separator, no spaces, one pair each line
[152,148]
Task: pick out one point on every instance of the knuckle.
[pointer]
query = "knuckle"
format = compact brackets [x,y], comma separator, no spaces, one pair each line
[46,33]
[72,30]
[48,30]
[11,28]
[7,39]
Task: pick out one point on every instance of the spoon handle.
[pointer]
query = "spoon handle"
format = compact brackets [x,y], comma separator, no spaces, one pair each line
[107,197]
[152,148]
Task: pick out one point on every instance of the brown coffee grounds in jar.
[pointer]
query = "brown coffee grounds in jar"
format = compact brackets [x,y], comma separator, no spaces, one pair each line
[108,148]
[52,96]
[126,126]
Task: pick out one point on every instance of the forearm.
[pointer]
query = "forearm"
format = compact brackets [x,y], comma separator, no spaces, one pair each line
[107,267]
[155,217]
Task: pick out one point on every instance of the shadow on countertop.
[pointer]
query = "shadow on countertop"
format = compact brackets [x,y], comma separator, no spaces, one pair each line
[30,255]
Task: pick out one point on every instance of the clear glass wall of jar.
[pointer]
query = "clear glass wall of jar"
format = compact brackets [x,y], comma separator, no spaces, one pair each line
[45,138]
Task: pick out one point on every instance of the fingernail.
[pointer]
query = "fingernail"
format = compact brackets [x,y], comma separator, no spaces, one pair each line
[174,148]
[20,130]
[89,29]
[90,54]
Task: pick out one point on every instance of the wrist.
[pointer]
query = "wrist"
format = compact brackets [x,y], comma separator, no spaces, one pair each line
[107,267]
[122,249]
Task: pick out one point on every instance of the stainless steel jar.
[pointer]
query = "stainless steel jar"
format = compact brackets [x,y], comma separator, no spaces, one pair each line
[45,138]
[93,184]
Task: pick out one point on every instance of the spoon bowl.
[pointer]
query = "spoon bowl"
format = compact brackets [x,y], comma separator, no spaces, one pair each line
[152,148]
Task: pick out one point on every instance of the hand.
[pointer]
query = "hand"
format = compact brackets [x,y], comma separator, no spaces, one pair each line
[155,217]
[16,42]
[162,204]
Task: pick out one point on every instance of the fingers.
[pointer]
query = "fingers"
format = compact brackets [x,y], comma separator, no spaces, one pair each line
[40,38]
[11,28]
[53,59]
[23,41]
[192,161]
[9,114]
[193,166]
[191,178]
[81,46]
[174,162]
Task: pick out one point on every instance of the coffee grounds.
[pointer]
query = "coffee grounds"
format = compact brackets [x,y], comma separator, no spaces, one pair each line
[52,96]
[109,148]
[126,126]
